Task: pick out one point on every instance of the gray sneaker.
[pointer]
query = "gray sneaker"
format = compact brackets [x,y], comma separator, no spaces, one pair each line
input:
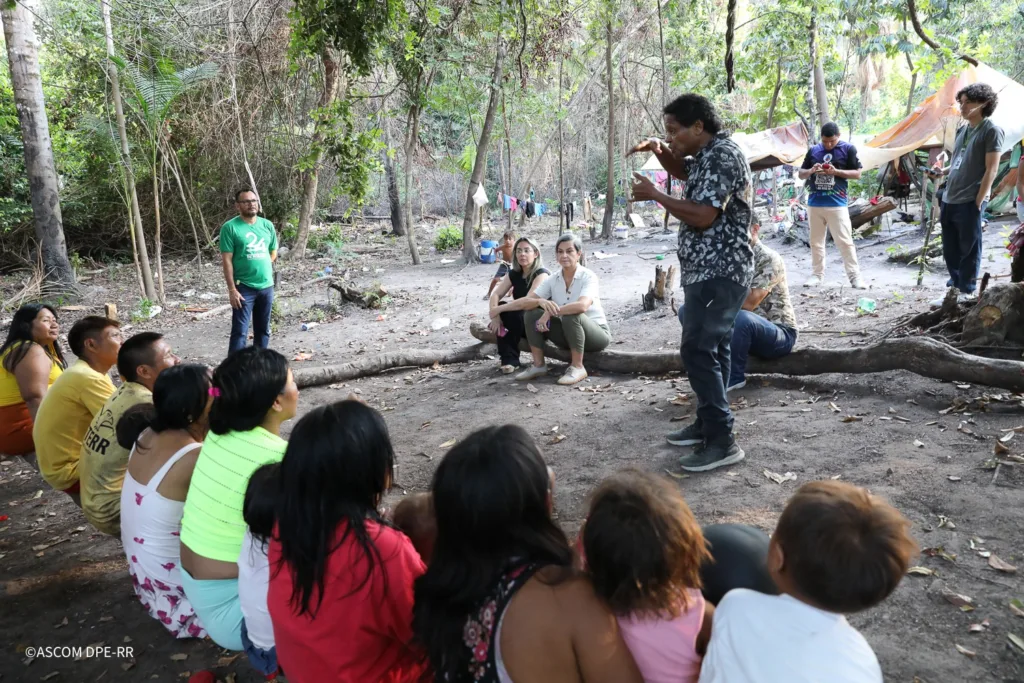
[690,435]
[712,456]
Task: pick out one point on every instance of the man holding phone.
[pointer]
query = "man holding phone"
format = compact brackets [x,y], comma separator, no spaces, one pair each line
[971,172]
[829,166]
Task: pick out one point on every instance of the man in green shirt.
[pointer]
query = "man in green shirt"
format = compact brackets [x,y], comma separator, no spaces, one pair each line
[248,249]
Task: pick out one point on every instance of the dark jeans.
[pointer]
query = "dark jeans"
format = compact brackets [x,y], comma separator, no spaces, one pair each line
[755,336]
[508,346]
[961,244]
[739,559]
[708,319]
[256,305]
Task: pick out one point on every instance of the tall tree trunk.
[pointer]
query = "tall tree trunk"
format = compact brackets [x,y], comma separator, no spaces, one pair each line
[394,199]
[480,163]
[664,73]
[23,61]
[913,85]
[730,33]
[563,215]
[311,177]
[157,239]
[609,205]
[625,160]
[508,153]
[775,94]
[818,75]
[234,97]
[142,252]
[410,149]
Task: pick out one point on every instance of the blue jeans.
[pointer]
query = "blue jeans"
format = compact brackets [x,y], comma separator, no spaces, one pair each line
[961,244]
[256,305]
[708,319]
[755,336]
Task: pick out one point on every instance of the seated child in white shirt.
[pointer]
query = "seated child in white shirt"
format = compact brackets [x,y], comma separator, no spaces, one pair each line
[837,550]
[254,570]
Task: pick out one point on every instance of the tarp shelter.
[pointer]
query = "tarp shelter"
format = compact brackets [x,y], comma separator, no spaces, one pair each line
[937,118]
[786,145]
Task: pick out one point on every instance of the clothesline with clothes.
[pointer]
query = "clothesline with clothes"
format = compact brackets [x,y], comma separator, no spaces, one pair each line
[509,203]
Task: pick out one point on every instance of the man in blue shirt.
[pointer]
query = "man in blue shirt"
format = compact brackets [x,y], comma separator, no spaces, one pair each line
[829,166]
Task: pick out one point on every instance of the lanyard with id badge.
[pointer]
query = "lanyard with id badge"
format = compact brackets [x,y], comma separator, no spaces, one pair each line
[958,160]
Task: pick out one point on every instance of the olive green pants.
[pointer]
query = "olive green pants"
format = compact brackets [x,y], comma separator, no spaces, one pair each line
[573,332]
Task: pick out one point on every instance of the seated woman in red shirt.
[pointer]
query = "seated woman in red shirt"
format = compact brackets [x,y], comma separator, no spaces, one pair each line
[341,578]
[500,601]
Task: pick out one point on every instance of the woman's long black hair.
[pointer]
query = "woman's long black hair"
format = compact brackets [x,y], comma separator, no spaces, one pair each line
[338,464]
[246,384]
[19,337]
[491,496]
[180,395]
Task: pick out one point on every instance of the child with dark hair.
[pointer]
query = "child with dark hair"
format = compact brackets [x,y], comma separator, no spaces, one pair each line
[341,587]
[253,393]
[644,551]
[103,461]
[74,400]
[414,516]
[254,570]
[837,550]
[504,255]
[500,600]
[163,438]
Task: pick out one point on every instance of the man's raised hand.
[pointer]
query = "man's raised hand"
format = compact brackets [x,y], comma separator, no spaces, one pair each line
[655,145]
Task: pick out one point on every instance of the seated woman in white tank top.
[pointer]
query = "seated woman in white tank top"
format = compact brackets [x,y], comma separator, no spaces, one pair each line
[500,601]
[165,437]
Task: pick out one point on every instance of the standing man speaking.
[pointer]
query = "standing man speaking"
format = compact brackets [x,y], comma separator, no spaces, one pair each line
[248,249]
[716,264]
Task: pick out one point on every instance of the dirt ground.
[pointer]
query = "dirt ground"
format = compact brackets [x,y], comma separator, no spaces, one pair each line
[930,462]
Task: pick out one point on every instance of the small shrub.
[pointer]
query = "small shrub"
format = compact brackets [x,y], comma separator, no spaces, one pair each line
[448,239]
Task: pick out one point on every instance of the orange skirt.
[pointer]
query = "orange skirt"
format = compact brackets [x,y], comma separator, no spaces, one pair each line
[16,430]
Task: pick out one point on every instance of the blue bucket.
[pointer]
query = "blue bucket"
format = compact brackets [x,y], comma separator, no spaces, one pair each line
[487,248]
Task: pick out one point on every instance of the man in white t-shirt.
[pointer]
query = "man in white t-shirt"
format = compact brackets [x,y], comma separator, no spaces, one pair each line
[836,550]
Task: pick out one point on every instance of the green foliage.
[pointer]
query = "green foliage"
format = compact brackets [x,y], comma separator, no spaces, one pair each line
[330,240]
[354,27]
[448,239]
[354,150]
[153,94]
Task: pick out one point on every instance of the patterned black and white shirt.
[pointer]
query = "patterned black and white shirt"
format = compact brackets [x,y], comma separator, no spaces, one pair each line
[719,177]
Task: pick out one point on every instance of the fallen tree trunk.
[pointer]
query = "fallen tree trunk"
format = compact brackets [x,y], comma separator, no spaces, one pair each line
[921,355]
[859,215]
[314,377]
[910,256]
[223,308]
[371,298]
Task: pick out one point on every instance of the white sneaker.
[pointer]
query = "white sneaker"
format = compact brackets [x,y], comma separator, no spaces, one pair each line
[533,372]
[814,281]
[572,376]
[507,369]
[857,283]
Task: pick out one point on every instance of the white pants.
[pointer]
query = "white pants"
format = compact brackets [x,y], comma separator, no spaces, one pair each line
[837,220]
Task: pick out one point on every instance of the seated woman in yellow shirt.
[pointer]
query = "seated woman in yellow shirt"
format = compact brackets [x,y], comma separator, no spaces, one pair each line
[73,401]
[30,361]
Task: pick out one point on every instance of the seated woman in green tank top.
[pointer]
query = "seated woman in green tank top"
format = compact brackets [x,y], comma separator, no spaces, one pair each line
[254,393]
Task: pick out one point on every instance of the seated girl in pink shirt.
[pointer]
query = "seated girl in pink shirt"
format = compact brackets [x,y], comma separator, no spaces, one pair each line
[644,550]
